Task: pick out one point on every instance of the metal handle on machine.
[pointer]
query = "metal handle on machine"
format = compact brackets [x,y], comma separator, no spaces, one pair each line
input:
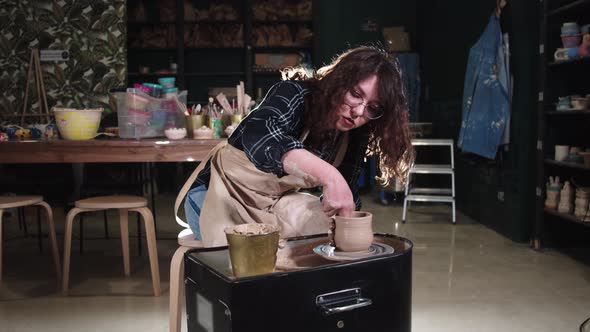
[344,300]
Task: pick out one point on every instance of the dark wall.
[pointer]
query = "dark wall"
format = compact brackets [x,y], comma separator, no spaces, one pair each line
[499,193]
[337,23]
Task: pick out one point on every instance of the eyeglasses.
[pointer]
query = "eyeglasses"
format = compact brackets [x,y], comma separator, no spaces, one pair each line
[354,99]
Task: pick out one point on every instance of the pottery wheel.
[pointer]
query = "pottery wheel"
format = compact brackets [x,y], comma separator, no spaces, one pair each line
[299,256]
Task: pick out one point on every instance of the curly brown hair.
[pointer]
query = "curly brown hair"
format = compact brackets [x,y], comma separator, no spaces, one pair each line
[389,135]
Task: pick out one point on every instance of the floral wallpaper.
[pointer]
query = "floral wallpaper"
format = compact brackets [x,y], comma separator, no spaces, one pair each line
[94,33]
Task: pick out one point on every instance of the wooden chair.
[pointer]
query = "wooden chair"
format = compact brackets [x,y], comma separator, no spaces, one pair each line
[124,204]
[9,202]
[186,241]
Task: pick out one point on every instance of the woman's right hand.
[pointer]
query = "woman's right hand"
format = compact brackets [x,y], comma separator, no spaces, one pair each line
[337,198]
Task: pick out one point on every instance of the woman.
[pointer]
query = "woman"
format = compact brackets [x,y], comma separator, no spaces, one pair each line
[307,132]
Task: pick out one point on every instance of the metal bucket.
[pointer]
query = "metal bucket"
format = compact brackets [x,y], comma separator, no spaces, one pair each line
[252,248]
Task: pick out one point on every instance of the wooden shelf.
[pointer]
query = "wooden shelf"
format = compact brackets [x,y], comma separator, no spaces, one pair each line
[576,112]
[280,49]
[285,21]
[213,48]
[151,49]
[267,73]
[214,22]
[566,164]
[569,217]
[569,8]
[134,74]
[216,73]
[581,60]
[150,23]
[238,59]
[559,78]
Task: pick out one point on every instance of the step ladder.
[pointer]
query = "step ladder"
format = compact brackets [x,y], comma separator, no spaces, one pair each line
[443,195]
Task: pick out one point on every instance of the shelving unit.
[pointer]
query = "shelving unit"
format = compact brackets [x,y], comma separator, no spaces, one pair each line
[555,127]
[216,52]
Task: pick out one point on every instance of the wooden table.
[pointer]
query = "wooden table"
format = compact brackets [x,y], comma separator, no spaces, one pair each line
[105,150]
[111,150]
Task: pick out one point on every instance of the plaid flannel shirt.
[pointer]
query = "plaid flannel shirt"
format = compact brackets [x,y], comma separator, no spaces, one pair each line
[274,128]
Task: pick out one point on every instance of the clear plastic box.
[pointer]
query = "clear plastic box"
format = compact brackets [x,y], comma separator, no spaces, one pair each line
[142,116]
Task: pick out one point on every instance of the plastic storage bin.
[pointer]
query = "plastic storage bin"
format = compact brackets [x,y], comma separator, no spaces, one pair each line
[142,116]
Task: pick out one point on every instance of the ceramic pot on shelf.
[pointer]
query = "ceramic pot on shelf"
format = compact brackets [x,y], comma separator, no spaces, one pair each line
[584,48]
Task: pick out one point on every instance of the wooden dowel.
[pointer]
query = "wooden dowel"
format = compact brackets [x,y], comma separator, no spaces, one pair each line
[37,79]
[25,101]
[43,93]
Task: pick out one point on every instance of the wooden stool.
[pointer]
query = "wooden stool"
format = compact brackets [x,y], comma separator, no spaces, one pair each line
[186,240]
[9,202]
[124,204]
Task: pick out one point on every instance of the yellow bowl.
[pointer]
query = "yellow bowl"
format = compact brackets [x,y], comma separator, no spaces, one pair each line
[77,124]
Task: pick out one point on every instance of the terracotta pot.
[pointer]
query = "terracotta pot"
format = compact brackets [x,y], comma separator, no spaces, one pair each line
[353,233]
[586,156]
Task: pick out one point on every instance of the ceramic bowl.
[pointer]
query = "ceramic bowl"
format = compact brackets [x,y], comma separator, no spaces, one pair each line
[175,133]
[586,156]
[203,133]
[77,124]
[580,103]
[229,130]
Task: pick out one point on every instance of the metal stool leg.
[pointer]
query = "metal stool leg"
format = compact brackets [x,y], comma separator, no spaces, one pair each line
[454,216]
[404,211]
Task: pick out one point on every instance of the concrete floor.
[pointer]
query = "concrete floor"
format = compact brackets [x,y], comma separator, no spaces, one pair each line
[465,278]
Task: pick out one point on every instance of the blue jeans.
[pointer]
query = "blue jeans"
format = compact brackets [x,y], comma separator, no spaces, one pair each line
[192,208]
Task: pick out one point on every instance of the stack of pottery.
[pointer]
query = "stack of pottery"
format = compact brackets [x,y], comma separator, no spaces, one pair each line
[552,197]
[566,199]
[571,38]
[581,203]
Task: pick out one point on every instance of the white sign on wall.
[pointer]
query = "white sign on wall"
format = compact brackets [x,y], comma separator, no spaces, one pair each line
[54,55]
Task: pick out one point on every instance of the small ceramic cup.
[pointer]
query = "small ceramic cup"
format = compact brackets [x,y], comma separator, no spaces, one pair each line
[565,53]
[196,121]
[570,28]
[561,152]
[354,233]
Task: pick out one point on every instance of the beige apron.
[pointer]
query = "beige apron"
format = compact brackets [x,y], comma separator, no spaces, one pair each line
[240,193]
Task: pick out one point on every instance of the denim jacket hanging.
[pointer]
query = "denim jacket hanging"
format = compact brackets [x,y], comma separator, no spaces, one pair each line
[485,94]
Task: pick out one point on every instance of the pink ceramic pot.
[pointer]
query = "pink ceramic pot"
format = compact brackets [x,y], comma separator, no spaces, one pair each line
[584,49]
[571,40]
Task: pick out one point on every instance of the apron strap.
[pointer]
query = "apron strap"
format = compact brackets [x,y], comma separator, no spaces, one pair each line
[191,180]
[342,146]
